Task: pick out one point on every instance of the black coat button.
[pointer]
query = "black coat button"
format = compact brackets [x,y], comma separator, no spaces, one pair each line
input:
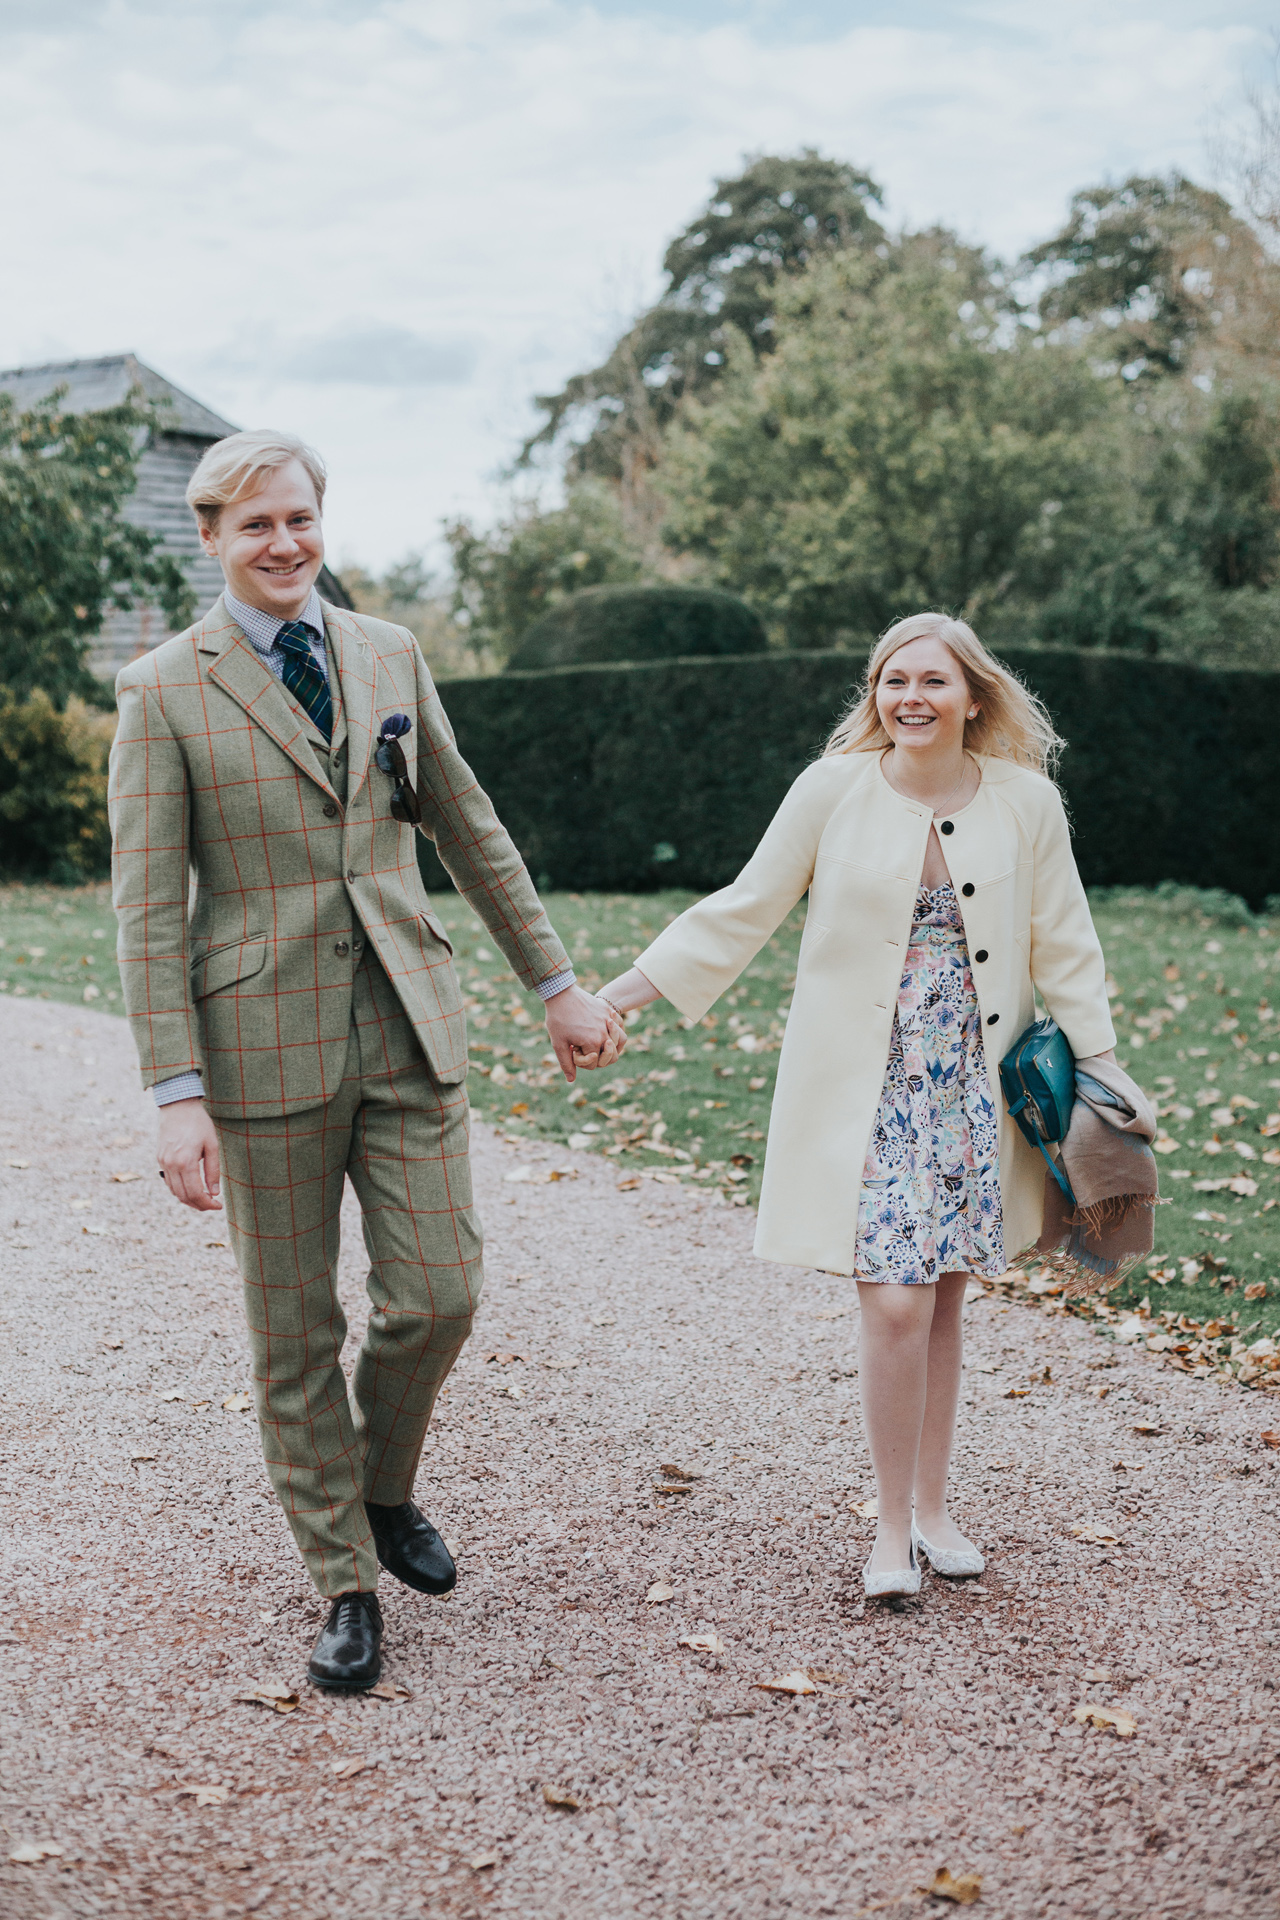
[992,1018]
[981,955]
[341,948]
[328,809]
[948,826]
[967,889]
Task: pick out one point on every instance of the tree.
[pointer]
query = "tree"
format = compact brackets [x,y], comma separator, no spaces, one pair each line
[902,447]
[506,579]
[1151,269]
[767,224]
[67,554]
[409,595]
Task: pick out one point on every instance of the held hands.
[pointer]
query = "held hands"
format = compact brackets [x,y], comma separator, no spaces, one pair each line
[187,1149]
[584,1032]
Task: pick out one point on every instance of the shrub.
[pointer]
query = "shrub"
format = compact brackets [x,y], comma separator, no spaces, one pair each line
[53,789]
[678,767]
[639,623]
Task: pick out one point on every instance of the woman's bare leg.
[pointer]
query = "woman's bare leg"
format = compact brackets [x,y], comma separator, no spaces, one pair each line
[894,1376]
[942,1399]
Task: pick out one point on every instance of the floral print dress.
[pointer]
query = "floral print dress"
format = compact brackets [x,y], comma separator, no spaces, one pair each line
[930,1199]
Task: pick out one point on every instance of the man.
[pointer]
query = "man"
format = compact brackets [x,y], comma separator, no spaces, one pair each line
[296,1010]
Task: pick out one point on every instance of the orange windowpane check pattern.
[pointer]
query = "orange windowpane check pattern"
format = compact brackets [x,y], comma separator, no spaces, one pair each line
[275,936]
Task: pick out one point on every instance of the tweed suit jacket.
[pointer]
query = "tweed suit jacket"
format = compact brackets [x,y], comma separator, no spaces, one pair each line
[240,874]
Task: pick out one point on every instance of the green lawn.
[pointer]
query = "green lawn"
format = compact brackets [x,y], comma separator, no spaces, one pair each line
[1191,972]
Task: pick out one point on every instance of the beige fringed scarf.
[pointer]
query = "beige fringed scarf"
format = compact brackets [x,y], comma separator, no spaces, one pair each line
[1111,1169]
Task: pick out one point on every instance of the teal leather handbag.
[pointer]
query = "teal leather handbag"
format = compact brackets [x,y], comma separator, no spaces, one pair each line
[1038,1075]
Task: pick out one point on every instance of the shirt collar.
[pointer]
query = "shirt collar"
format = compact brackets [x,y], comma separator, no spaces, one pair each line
[261,629]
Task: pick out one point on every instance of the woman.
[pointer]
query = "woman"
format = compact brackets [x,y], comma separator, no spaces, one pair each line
[943,895]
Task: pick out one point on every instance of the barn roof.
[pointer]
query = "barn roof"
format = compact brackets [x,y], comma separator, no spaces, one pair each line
[95,384]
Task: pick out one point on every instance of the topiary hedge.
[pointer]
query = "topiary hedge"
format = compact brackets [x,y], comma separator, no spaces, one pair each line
[622,624]
[626,777]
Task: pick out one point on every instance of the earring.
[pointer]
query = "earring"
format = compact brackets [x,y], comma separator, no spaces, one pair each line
[973,713]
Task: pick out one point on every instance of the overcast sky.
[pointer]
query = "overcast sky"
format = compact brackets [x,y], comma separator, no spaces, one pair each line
[386,224]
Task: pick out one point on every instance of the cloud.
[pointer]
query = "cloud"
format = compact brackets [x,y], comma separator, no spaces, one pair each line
[387,223]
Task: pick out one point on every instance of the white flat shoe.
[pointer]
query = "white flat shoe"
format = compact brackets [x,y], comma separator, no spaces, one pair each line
[955,1563]
[882,1586]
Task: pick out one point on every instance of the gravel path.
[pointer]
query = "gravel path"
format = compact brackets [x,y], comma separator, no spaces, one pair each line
[151,1580]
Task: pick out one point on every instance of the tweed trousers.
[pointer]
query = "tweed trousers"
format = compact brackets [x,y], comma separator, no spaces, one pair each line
[403,1140]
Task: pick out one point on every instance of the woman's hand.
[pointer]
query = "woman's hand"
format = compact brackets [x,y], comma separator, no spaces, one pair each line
[629,991]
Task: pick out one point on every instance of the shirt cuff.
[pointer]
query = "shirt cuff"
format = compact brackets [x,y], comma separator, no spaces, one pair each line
[183,1086]
[556,982]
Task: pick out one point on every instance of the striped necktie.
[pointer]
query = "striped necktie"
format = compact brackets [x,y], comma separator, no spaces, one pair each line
[303,675]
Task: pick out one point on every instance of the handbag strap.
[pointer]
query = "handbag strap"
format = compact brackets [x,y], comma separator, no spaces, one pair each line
[1057,1173]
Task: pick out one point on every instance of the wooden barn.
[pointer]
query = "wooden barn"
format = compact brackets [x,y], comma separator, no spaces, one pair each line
[164,468]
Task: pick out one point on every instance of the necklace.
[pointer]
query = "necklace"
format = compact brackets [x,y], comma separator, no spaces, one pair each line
[947,798]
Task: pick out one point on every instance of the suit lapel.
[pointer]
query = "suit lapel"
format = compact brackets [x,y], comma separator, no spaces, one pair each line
[357,670]
[240,671]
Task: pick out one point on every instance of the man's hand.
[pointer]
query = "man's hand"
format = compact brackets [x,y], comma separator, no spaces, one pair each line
[583,1031]
[187,1149]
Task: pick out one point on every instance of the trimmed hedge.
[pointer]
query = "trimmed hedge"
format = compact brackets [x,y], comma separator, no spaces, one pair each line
[623,625]
[627,777]
[53,789]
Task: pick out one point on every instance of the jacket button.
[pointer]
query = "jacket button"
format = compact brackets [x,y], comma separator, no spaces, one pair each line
[948,826]
[992,1018]
[981,955]
[341,947]
[328,809]
[966,889]
[351,874]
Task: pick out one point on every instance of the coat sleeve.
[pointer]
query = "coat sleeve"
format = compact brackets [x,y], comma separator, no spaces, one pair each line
[148,805]
[694,959]
[475,848]
[1067,967]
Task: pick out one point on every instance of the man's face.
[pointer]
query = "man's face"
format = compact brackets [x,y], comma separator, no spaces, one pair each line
[270,543]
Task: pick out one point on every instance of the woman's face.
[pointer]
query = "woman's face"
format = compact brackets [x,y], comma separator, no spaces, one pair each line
[922,698]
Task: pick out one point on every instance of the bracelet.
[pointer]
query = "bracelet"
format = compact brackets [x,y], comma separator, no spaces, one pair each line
[608,1002]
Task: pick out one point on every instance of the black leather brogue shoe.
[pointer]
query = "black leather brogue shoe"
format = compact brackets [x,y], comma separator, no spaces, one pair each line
[347,1657]
[409,1547]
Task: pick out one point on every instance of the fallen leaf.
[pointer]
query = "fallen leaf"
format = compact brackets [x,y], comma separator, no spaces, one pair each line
[1147,1426]
[215,1243]
[175,1395]
[659,1592]
[672,1486]
[826,1678]
[673,1472]
[206,1796]
[1269,1437]
[1244,1186]
[18,1163]
[348,1769]
[1116,1718]
[238,1403]
[100,1232]
[1256,1290]
[794,1683]
[141,1456]
[32,1852]
[1099,1534]
[1097,1673]
[483,1860]
[628,1186]
[279,1698]
[390,1690]
[123,1179]
[560,1366]
[504,1359]
[561,1797]
[604,1319]
[964,1889]
[869,1509]
[510,1389]
[756,1084]
[703,1643]
[1016,1393]
[831,1313]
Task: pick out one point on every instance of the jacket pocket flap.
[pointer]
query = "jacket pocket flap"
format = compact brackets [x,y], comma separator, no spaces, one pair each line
[225,965]
[437,927]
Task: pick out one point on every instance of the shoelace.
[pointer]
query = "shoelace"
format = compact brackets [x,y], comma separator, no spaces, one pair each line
[351,1609]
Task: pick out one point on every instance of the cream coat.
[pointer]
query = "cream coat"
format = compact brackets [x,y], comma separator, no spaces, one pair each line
[858,848]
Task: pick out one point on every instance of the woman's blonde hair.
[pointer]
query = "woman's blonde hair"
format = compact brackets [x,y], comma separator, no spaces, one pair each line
[240,464]
[1011,724]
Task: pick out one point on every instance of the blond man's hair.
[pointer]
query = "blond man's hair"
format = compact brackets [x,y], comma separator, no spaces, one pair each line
[1011,723]
[240,464]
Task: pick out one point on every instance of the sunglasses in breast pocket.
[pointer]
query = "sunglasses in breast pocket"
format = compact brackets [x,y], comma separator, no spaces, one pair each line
[405,805]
